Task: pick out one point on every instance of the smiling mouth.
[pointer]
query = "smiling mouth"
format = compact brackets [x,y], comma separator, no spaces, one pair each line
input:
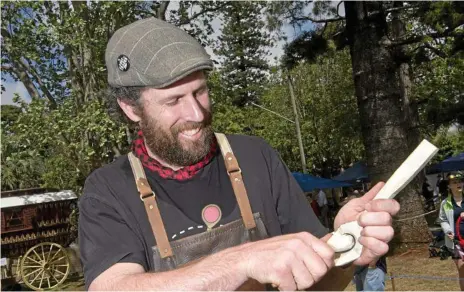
[190,133]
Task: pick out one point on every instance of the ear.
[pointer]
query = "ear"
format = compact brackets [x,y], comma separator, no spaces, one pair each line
[129,110]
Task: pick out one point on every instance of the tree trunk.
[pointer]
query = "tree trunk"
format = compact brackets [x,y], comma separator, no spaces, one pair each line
[384,128]
[411,114]
[22,75]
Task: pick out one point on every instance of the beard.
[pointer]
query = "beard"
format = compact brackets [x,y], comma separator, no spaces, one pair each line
[166,143]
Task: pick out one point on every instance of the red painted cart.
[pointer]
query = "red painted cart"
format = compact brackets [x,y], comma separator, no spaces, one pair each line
[35,231]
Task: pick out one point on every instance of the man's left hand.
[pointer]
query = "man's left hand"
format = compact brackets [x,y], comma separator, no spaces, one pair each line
[376,222]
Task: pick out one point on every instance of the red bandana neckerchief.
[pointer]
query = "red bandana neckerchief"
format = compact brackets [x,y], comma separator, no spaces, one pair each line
[140,151]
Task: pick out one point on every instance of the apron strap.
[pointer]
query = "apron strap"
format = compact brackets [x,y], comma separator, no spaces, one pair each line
[236,179]
[148,198]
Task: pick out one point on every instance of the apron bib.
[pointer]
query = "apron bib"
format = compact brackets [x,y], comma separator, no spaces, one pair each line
[171,255]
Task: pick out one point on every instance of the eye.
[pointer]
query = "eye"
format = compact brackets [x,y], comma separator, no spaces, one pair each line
[201,91]
[173,102]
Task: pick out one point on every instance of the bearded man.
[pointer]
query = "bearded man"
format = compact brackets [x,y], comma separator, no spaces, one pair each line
[190,209]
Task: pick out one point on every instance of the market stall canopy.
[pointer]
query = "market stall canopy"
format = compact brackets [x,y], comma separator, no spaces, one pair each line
[358,172]
[453,163]
[308,182]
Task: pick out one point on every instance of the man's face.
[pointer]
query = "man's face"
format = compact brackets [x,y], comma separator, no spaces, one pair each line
[176,120]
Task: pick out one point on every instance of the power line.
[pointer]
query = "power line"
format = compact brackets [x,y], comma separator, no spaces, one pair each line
[273,112]
[417,216]
[422,277]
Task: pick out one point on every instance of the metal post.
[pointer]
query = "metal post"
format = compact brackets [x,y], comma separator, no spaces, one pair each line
[393,281]
[297,123]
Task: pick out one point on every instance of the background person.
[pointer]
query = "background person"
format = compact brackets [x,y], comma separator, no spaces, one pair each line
[450,210]
[442,184]
[372,276]
[313,202]
[323,207]
[428,196]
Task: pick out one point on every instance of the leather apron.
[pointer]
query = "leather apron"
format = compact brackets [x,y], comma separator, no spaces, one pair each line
[171,255]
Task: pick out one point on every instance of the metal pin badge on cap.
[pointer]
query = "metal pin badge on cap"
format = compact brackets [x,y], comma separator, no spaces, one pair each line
[211,214]
[123,63]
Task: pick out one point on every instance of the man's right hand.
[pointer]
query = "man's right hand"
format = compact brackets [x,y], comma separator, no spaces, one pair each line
[450,235]
[290,262]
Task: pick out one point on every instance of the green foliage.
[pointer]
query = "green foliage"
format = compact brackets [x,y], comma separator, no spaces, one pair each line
[329,117]
[450,143]
[327,112]
[56,49]
[57,148]
[243,45]
[205,11]
[10,113]
[441,15]
[307,46]
[228,118]
[438,89]
[432,43]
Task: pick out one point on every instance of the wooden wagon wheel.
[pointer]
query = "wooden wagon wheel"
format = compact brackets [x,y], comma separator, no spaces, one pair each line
[45,266]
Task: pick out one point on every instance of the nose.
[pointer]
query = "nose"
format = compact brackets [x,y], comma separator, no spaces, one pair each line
[193,110]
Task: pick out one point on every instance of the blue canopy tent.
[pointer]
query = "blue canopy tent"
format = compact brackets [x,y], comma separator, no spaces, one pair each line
[358,172]
[308,182]
[453,163]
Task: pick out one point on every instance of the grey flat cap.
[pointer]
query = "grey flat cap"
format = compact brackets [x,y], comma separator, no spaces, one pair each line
[152,52]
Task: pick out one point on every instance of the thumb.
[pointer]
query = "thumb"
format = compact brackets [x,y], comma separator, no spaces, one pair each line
[370,195]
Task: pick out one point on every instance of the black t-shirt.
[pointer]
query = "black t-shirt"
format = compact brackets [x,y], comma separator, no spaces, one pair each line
[114,227]
[210,186]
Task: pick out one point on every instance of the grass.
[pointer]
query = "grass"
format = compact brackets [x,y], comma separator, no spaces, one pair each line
[75,284]
[416,262]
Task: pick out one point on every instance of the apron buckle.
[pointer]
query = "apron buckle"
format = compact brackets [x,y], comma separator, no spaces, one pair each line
[234,171]
[143,197]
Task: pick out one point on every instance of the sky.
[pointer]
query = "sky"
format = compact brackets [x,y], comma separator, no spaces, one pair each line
[12,87]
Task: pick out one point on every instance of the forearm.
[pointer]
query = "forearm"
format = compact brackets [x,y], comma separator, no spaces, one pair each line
[446,227]
[443,220]
[216,272]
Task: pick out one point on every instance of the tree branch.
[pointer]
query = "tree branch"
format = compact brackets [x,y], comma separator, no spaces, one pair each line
[161,11]
[21,74]
[438,52]
[393,9]
[324,28]
[318,20]
[116,151]
[200,13]
[16,68]
[419,38]
[22,69]
[37,78]
[142,12]
[5,33]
